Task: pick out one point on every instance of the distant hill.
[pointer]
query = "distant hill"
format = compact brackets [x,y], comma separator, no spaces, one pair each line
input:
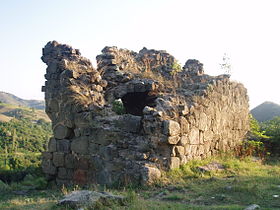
[8,112]
[8,98]
[266,111]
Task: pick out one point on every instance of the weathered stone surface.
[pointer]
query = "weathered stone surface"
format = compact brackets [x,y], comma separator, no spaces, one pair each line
[80,145]
[47,155]
[61,132]
[80,176]
[173,139]
[130,123]
[174,162]
[252,207]
[81,163]
[194,136]
[69,160]
[58,159]
[179,150]
[213,166]
[52,145]
[48,167]
[171,127]
[63,145]
[202,121]
[184,125]
[86,199]
[149,175]
[138,113]
[64,173]
[184,140]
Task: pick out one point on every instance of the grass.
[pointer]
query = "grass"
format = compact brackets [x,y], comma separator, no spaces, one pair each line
[241,183]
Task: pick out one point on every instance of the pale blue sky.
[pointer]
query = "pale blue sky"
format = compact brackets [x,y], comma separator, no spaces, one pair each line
[247,30]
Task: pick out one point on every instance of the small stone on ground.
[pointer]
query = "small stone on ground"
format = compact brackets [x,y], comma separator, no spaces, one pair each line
[86,198]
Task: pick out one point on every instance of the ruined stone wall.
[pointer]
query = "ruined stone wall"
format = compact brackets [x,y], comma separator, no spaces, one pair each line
[169,118]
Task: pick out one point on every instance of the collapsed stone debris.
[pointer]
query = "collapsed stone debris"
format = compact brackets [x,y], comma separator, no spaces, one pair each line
[135,115]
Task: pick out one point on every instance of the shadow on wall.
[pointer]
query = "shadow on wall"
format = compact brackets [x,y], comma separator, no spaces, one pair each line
[135,102]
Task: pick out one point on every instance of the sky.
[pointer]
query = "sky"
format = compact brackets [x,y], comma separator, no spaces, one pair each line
[246,30]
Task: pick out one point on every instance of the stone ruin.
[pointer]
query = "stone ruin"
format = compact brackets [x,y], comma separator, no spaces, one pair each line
[136,115]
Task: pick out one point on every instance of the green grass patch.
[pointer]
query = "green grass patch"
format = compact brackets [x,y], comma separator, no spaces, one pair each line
[239,184]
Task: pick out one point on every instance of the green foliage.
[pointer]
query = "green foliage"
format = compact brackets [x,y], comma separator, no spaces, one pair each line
[3,186]
[33,182]
[176,67]
[21,143]
[256,133]
[254,145]
[263,139]
[24,135]
[118,107]
[272,129]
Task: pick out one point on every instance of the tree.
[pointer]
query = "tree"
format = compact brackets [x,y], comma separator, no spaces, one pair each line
[226,64]
[272,129]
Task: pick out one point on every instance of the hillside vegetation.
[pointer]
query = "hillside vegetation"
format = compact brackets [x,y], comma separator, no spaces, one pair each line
[24,133]
[9,112]
[14,100]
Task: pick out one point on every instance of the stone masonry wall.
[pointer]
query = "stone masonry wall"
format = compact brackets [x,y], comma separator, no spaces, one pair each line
[171,115]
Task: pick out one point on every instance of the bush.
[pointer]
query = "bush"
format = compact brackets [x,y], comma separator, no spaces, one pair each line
[254,145]
[272,129]
[176,67]
[118,107]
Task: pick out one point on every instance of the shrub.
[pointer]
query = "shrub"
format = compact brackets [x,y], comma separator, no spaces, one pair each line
[176,67]
[118,107]
[253,145]
[272,130]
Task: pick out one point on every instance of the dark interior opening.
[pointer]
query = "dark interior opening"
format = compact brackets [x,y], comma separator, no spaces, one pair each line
[134,103]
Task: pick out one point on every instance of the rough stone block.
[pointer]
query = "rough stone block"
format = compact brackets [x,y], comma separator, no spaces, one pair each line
[184,140]
[58,159]
[179,150]
[64,173]
[194,136]
[63,145]
[109,152]
[48,167]
[61,132]
[53,106]
[129,123]
[149,175]
[174,162]
[81,163]
[77,132]
[46,155]
[185,127]
[203,121]
[173,139]
[80,176]
[52,68]
[184,110]
[80,145]
[105,136]
[52,145]
[171,127]
[183,159]
[69,160]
